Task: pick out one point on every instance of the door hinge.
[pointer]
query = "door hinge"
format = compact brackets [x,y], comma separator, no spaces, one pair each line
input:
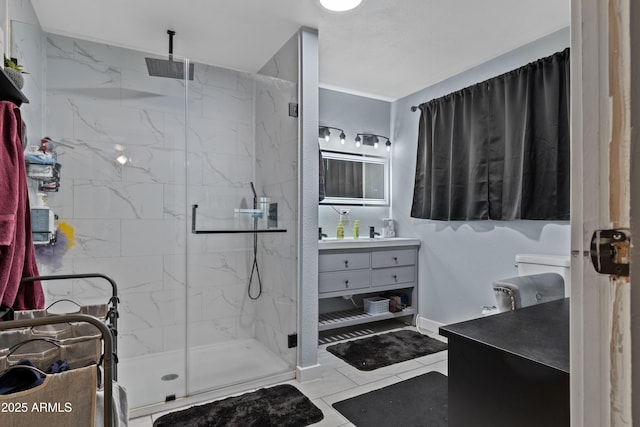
[293,109]
[610,251]
[292,340]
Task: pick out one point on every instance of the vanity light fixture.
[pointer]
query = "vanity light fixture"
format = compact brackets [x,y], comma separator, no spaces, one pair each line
[340,5]
[324,132]
[371,140]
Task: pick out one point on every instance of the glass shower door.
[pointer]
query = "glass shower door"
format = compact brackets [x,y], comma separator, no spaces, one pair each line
[241,285]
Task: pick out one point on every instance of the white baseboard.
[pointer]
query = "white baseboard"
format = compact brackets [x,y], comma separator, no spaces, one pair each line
[308,373]
[428,324]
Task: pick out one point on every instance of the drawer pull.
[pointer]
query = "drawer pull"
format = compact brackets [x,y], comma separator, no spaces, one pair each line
[395,258]
[346,283]
[395,277]
[346,263]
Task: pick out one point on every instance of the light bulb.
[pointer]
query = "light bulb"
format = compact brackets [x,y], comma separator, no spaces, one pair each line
[388,144]
[376,145]
[326,136]
[122,159]
[343,138]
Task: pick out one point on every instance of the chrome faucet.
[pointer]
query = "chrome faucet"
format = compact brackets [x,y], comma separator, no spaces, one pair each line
[373,233]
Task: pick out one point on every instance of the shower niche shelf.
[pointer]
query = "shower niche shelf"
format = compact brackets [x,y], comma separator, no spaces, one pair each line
[9,91]
[194,230]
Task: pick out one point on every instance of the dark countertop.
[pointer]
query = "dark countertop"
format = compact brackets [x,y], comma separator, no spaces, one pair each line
[539,333]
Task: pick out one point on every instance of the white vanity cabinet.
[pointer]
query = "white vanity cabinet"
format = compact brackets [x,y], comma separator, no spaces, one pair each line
[350,270]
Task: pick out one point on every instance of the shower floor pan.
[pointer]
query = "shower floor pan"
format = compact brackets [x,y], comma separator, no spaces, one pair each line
[149,379]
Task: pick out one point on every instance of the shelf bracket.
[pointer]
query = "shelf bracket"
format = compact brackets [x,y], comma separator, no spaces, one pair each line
[194,230]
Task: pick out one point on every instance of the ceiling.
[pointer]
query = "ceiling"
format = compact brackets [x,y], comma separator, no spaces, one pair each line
[385,49]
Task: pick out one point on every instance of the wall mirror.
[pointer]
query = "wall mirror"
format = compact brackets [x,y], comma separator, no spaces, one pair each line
[355,179]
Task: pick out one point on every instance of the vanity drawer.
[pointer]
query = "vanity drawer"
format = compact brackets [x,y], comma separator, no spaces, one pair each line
[393,258]
[344,262]
[343,281]
[391,276]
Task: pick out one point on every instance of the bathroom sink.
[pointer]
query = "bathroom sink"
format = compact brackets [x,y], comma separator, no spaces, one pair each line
[350,243]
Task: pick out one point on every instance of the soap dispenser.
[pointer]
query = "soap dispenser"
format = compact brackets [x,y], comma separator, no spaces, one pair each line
[340,230]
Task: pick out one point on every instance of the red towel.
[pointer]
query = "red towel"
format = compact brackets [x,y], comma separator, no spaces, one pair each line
[17,255]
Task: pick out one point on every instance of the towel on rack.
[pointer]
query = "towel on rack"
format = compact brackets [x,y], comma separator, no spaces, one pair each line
[120,406]
[321,176]
[17,254]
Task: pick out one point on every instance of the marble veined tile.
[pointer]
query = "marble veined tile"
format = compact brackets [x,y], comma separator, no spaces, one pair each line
[233,171]
[139,342]
[219,136]
[89,160]
[94,238]
[104,199]
[218,102]
[151,237]
[58,46]
[223,78]
[81,79]
[152,309]
[154,164]
[116,124]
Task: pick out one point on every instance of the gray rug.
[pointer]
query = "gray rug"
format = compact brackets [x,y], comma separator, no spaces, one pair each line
[282,405]
[421,401]
[376,351]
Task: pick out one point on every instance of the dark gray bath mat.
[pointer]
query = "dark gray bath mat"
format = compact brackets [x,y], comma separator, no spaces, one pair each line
[377,351]
[282,405]
[421,401]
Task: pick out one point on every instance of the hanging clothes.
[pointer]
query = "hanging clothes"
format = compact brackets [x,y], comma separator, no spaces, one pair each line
[17,254]
[322,173]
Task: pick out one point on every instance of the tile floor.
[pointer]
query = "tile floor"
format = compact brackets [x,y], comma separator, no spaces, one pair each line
[341,381]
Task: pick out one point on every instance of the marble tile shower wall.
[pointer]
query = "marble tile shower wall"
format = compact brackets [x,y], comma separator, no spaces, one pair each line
[131,220]
[276,171]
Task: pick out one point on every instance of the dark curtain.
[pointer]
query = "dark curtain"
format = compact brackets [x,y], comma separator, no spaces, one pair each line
[499,149]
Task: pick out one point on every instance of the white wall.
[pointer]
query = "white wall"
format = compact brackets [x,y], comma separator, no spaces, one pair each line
[459,260]
[276,156]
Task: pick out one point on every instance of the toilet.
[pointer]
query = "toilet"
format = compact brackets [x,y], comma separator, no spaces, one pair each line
[541,278]
[541,263]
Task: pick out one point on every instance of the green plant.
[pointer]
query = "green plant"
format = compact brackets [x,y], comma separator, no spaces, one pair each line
[13,63]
